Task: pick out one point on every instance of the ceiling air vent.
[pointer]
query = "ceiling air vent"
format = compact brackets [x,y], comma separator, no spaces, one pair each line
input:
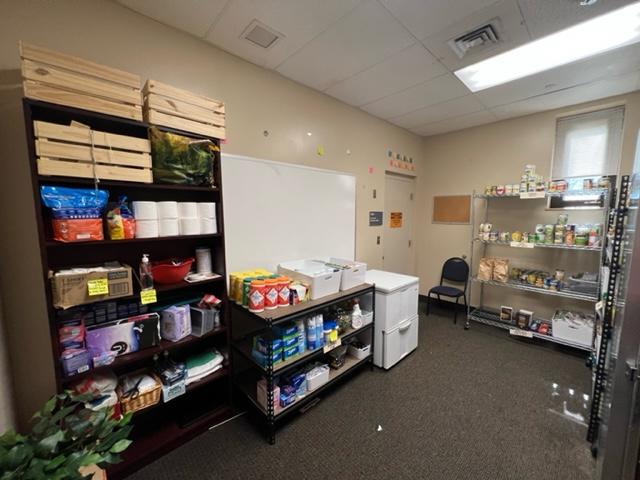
[261,35]
[477,39]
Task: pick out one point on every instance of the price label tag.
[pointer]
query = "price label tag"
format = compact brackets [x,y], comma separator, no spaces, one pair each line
[520,333]
[522,244]
[98,286]
[148,296]
[527,195]
[328,348]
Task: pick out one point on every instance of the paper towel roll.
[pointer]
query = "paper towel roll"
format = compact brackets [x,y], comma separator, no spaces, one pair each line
[187,210]
[207,210]
[146,228]
[208,226]
[189,226]
[167,210]
[145,210]
[168,227]
[203,260]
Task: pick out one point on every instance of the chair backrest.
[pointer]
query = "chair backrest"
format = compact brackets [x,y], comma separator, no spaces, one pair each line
[455,269]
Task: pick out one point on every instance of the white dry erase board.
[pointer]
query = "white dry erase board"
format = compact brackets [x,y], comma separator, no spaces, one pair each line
[274,212]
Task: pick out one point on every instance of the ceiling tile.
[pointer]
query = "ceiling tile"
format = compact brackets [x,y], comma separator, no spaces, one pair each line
[544,17]
[511,31]
[440,111]
[609,64]
[571,96]
[458,123]
[298,20]
[427,17]
[439,89]
[362,38]
[192,16]
[402,70]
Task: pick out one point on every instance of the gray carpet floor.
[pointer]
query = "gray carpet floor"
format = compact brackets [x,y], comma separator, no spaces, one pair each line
[465,405]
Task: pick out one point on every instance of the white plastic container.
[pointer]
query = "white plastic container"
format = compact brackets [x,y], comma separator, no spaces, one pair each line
[168,227]
[359,353]
[353,274]
[206,210]
[322,280]
[167,210]
[577,332]
[187,210]
[145,210]
[189,226]
[146,228]
[317,377]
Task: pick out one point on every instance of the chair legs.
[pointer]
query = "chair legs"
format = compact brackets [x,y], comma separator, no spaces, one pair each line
[455,312]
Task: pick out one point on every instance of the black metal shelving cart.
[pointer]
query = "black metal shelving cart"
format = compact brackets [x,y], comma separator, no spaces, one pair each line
[245,325]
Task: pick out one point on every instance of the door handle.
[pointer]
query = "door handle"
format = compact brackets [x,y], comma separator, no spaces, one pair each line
[405,327]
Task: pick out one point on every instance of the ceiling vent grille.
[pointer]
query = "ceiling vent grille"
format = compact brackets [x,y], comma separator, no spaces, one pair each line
[475,40]
[261,35]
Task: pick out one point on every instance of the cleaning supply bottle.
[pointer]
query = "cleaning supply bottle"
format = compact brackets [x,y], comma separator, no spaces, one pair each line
[319,331]
[146,277]
[356,316]
[312,341]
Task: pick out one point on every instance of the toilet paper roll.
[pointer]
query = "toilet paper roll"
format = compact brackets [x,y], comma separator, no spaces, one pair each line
[207,210]
[189,226]
[167,210]
[146,228]
[208,226]
[168,227]
[187,210]
[145,210]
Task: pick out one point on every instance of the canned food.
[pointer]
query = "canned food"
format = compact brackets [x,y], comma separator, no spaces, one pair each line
[548,234]
[500,190]
[504,236]
[570,234]
[563,219]
[493,236]
[558,237]
[508,189]
[516,236]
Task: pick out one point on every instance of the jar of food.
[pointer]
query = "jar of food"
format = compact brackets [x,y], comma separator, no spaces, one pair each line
[516,236]
[570,234]
[500,190]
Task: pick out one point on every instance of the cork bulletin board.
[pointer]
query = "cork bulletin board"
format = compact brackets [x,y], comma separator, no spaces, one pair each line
[452,209]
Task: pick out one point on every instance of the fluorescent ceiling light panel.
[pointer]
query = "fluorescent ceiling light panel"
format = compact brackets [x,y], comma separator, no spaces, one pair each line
[601,34]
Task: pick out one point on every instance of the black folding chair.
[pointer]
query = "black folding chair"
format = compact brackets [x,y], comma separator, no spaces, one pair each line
[454,270]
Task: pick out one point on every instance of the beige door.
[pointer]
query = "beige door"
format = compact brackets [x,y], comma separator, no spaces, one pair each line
[398,256]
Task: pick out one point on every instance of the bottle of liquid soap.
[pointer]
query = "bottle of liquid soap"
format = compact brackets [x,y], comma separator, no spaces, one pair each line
[146,277]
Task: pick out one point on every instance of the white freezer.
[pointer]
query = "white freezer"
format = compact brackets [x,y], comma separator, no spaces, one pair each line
[396,327]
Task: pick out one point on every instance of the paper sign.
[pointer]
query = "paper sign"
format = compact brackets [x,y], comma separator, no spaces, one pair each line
[331,346]
[522,244]
[320,150]
[520,333]
[99,286]
[148,296]
[526,195]
[395,219]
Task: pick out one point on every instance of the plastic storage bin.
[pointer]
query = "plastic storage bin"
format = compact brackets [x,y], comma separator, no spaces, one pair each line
[321,279]
[352,276]
[317,377]
[359,353]
[580,332]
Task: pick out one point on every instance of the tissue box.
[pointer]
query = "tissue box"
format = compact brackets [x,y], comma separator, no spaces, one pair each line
[262,395]
[291,351]
[175,323]
[261,344]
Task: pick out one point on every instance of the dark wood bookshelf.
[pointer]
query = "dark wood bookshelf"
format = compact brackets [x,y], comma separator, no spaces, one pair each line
[206,402]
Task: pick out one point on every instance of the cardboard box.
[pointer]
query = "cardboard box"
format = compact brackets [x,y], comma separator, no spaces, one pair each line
[79,286]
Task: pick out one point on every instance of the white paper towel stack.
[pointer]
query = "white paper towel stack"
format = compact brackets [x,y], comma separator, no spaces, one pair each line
[188,215]
[207,217]
[168,219]
[146,215]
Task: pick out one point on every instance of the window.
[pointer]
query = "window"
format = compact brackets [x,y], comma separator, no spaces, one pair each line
[588,144]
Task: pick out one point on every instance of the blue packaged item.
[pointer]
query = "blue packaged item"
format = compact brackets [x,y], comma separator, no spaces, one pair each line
[319,331]
[287,395]
[285,330]
[302,335]
[311,333]
[67,202]
[261,344]
[291,352]
[290,341]
[75,361]
[261,358]
[295,379]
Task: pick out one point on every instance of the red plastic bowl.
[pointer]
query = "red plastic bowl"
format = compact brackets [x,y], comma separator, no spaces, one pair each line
[171,271]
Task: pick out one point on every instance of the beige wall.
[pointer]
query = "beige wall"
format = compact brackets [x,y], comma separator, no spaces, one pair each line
[459,162]
[7,416]
[256,100]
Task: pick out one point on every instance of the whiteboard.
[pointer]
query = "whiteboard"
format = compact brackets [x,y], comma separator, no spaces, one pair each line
[275,212]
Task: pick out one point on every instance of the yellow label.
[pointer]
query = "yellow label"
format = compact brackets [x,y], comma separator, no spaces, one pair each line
[395,220]
[99,286]
[148,296]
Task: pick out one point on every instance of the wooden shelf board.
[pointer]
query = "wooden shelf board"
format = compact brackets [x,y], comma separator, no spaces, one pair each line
[128,241]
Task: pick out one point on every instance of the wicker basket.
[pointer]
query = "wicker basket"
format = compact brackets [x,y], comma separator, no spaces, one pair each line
[136,402]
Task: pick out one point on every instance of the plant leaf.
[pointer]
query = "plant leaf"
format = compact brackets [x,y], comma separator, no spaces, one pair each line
[120,446]
[48,445]
[55,463]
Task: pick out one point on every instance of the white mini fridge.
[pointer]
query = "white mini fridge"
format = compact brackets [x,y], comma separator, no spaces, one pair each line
[396,326]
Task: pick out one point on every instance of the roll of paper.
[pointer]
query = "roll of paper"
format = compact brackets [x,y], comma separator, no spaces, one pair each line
[145,210]
[187,210]
[203,260]
[168,227]
[146,228]
[167,210]
[207,210]
[208,226]
[189,226]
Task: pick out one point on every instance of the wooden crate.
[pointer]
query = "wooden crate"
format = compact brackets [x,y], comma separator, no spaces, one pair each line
[78,151]
[173,107]
[66,80]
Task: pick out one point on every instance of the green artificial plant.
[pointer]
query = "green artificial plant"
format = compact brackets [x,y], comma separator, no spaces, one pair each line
[64,436]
